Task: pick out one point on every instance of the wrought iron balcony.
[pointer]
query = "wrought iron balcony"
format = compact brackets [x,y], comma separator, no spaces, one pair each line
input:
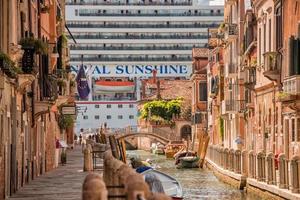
[140,37]
[272,65]
[231,31]
[291,88]
[233,106]
[91,25]
[250,78]
[50,88]
[28,65]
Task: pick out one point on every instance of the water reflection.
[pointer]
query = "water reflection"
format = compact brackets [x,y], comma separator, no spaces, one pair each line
[197,183]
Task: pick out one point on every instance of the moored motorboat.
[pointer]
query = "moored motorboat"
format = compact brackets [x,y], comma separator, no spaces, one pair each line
[170,185]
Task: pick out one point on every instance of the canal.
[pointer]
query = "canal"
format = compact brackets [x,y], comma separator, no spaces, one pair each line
[197,183]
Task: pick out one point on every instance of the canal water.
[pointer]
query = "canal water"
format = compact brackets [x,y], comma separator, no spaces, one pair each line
[197,184]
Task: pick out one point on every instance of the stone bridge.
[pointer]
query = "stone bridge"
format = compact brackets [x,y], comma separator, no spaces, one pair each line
[159,138]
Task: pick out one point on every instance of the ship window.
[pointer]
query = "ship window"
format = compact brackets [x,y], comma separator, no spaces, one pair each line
[108,106]
[120,106]
[85,117]
[97,106]
[97,117]
[131,106]
[131,117]
[108,117]
[76,12]
[120,116]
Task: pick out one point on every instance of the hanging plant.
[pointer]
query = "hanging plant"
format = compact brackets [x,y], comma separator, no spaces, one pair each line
[8,66]
[37,44]
[65,121]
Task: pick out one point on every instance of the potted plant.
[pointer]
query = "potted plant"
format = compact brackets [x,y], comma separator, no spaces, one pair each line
[65,121]
[38,45]
[63,157]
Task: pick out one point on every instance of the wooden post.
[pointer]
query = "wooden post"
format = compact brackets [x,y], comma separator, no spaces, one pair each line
[114,146]
[204,150]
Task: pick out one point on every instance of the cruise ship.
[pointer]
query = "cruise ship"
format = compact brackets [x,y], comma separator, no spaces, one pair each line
[122,42]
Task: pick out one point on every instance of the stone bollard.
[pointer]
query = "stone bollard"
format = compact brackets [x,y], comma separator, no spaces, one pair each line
[87,164]
[108,158]
[159,196]
[115,181]
[94,188]
[136,187]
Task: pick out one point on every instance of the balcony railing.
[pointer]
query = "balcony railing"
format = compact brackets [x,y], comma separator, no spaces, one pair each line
[97,98]
[196,25]
[137,3]
[140,37]
[250,78]
[291,85]
[231,31]
[50,88]
[233,106]
[94,59]
[185,14]
[147,48]
[272,65]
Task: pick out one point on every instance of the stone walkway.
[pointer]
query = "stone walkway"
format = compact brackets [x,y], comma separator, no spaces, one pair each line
[63,183]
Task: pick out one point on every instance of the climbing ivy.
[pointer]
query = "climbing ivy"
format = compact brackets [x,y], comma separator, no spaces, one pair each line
[159,110]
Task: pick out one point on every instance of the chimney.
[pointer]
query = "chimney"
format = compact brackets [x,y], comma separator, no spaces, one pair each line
[158,96]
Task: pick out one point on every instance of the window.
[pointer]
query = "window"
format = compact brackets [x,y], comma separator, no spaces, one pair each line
[270,34]
[97,117]
[108,117]
[202,91]
[298,129]
[279,36]
[108,106]
[76,12]
[85,117]
[293,130]
[131,106]
[259,46]
[131,117]
[97,106]
[120,116]
[120,106]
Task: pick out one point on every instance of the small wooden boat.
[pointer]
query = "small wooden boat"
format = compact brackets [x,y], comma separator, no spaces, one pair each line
[173,147]
[158,149]
[188,162]
[170,185]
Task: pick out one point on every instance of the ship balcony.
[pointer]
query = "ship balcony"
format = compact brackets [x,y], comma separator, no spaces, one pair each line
[138,37]
[116,14]
[291,89]
[272,65]
[146,48]
[232,106]
[250,78]
[137,3]
[128,59]
[231,32]
[144,26]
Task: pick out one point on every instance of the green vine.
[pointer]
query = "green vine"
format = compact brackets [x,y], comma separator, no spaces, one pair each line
[161,110]
[65,121]
[8,66]
[38,45]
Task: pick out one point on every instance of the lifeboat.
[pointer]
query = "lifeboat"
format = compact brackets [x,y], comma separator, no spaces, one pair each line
[114,86]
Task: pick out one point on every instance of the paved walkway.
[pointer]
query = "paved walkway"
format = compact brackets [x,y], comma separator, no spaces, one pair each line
[63,183]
